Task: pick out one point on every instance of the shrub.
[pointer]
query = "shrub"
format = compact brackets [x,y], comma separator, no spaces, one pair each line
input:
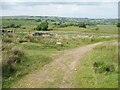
[10,61]
[7,40]
[10,35]
[109,68]
[83,25]
[23,27]
[97,28]
[15,56]
[28,37]
[101,67]
[17,52]
[8,70]
[13,26]
[50,29]
[6,46]
[6,26]
[13,59]
[38,20]
[118,24]
[42,26]
[97,64]
[21,41]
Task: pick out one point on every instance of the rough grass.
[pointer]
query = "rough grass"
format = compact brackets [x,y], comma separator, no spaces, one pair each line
[103,29]
[104,74]
[33,60]
[38,51]
[31,24]
[70,28]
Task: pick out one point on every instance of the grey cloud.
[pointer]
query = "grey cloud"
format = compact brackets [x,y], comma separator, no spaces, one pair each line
[75,9]
[7,5]
[60,3]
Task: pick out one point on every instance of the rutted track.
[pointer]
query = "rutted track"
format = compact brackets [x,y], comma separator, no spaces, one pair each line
[59,72]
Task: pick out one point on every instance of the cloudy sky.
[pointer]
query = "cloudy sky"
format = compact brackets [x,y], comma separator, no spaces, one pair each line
[65,8]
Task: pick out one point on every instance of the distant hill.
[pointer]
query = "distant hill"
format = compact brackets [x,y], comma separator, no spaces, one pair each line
[64,19]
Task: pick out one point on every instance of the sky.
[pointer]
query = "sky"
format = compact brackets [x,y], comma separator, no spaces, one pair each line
[63,8]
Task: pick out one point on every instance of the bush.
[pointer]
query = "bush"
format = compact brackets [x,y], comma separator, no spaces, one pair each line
[50,29]
[8,70]
[42,26]
[10,61]
[23,27]
[118,24]
[6,46]
[109,68]
[13,26]
[97,64]
[7,40]
[17,52]
[29,38]
[101,67]
[6,27]
[38,20]
[97,28]
[21,41]
[10,35]
[15,56]
[83,25]
[13,59]
[63,25]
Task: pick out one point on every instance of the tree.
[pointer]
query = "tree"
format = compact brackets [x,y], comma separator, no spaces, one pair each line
[118,25]
[42,26]
[82,25]
[12,25]
[97,28]
[38,20]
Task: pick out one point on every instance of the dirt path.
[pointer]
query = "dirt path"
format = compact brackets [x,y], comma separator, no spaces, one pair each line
[58,73]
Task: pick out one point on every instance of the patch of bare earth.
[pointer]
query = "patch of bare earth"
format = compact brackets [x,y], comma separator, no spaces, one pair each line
[57,74]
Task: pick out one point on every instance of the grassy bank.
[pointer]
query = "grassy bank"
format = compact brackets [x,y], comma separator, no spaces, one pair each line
[99,68]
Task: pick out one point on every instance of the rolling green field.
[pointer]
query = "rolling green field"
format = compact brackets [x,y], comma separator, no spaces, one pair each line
[23,53]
